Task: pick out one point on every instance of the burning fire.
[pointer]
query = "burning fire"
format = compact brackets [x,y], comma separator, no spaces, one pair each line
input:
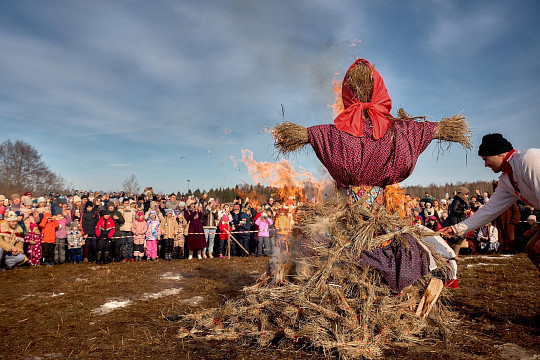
[338,104]
[292,184]
[395,199]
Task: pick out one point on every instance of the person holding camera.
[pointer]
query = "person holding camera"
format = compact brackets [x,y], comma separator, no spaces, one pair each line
[263,223]
[104,231]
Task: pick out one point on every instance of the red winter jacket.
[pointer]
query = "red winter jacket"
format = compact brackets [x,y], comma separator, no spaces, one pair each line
[105,227]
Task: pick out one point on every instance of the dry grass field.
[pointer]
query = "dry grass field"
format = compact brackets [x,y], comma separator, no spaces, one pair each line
[117,311]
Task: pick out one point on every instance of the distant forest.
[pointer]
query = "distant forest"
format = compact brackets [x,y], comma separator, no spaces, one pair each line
[261,193]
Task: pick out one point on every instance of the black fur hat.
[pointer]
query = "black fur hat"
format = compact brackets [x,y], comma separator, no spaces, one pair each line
[494,144]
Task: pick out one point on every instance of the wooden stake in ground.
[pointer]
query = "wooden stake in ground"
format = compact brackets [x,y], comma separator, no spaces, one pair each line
[229,246]
[247,252]
[430,297]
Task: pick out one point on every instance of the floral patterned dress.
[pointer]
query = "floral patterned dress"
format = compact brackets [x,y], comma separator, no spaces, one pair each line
[34,250]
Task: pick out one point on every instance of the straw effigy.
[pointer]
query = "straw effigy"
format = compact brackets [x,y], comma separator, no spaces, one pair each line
[290,137]
[318,295]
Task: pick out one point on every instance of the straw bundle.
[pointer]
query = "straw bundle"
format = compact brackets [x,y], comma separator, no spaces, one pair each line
[454,129]
[332,304]
[289,137]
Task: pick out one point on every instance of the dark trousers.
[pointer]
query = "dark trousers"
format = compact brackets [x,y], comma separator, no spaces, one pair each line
[167,245]
[244,241]
[47,250]
[76,255]
[91,248]
[127,248]
[104,249]
[139,248]
[104,245]
[116,247]
[222,246]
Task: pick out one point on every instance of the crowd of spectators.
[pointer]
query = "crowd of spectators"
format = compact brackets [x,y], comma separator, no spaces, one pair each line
[508,233]
[102,228]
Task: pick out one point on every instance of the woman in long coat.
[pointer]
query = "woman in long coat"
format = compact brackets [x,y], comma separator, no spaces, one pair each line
[195,239]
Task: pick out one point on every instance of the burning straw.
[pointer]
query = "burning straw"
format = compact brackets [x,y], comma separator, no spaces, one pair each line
[325,300]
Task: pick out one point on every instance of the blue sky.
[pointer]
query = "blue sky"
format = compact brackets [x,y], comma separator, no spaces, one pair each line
[172,90]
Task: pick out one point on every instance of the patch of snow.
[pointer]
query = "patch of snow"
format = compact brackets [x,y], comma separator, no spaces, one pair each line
[482,264]
[110,306]
[59,294]
[115,304]
[490,257]
[171,276]
[166,292]
[193,301]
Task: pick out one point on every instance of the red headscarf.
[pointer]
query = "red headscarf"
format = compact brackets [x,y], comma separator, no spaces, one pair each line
[350,120]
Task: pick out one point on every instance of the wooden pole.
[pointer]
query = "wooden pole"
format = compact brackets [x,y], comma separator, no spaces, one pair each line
[430,297]
[229,246]
[247,252]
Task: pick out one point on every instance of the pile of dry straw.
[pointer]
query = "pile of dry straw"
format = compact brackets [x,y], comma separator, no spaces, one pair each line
[316,295]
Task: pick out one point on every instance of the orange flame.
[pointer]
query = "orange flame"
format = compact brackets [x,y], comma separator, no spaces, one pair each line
[395,199]
[338,104]
[292,184]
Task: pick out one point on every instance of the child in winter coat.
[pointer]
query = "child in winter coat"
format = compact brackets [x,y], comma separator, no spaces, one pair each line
[90,219]
[153,233]
[179,239]
[169,228]
[33,239]
[138,228]
[75,243]
[48,228]
[104,233]
[263,223]
[488,238]
[61,237]
[224,231]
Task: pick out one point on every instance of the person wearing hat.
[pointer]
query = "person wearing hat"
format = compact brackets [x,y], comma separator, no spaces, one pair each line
[195,238]
[129,215]
[11,241]
[105,229]
[210,223]
[15,202]
[48,226]
[520,180]
[77,208]
[118,242]
[169,230]
[457,212]
[89,220]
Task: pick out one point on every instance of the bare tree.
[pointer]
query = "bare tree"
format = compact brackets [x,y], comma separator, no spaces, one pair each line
[21,169]
[131,186]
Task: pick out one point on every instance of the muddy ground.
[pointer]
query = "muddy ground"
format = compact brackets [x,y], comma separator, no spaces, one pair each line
[116,311]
